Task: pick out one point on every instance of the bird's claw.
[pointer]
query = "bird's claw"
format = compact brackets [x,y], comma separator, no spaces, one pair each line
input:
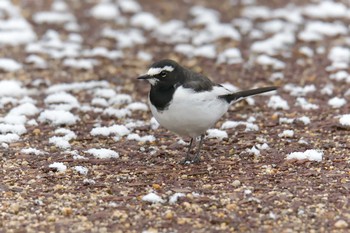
[186,161]
[189,160]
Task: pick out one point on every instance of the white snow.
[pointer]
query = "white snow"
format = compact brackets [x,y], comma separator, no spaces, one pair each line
[207,51]
[26,109]
[13,119]
[59,166]
[152,198]
[337,102]
[273,45]
[145,20]
[119,130]
[295,90]
[33,151]
[253,151]
[8,138]
[118,113]
[136,137]
[268,61]
[304,104]
[276,102]
[62,141]
[233,124]
[9,65]
[103,153]
[125,38]
[9,128]
[11,88]
[105,11]
[52,17]
[137,106]
[341,75]
[154,123]
[345,120]
[286,134]
[129,6]
[307,51]
[84,64]
[76,86]
[320,29]
[142,55]
[304,119]
[102,52]
[37,61]
[312,155]
[340,56]
[58,117]
[326,10]
[204,16]
[62,97]
[175,197]
[284,120]
[256,12]
[81,169]
[230,56]
[106,93]
[120,99]
[328,89]
[216,133]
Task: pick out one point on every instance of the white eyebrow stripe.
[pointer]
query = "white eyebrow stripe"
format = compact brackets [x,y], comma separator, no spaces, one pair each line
[155,71]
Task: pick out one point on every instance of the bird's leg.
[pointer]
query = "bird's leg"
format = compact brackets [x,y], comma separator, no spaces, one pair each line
[188,157]
[197,158]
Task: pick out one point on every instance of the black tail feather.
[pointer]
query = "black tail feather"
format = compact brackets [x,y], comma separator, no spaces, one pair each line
[242,94]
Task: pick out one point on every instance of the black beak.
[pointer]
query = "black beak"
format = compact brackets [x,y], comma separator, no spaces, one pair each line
[144,77]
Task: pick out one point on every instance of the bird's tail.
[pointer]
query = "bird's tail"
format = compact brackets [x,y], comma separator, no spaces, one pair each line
[242,94]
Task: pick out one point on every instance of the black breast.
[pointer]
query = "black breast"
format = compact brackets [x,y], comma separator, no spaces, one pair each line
[160,97]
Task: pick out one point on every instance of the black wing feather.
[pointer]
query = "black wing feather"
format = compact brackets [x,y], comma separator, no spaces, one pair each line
[197,82]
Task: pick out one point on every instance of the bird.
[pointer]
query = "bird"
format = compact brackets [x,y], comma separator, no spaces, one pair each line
[189,103]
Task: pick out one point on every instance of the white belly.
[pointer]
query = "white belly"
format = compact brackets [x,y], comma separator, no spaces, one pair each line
[191,113]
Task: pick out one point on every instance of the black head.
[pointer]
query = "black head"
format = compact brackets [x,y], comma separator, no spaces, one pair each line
[164,72]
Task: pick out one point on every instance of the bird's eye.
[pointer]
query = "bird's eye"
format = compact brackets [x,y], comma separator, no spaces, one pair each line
[163,74]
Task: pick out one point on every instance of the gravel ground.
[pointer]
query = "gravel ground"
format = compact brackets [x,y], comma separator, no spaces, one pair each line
[233,189]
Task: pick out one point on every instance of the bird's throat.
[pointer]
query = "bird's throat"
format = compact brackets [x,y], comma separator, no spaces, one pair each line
[161,95]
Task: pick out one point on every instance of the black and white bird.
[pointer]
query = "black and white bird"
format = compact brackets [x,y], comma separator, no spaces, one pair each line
[188,103]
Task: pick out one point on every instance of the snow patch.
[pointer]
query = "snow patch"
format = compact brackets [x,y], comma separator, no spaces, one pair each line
[312,155]
[103,153]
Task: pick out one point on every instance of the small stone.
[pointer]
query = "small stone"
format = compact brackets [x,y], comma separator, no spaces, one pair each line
[236,183]
[67,211]
[207,186]
[51,218]
[14,208]
[156,186]
[231,206]
[36,131]
[169,214]
[341,224]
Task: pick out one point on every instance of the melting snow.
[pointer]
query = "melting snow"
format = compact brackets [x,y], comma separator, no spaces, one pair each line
[312,155]
[103,153]
[152,198]
[59,166]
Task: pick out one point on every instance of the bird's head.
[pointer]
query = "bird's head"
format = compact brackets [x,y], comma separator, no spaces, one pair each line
[162,72]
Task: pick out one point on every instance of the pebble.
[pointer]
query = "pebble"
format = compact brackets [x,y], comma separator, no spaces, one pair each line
[236,183]
[341,224]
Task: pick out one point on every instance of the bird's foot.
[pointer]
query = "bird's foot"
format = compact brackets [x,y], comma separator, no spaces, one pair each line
[186,161]
[196,159]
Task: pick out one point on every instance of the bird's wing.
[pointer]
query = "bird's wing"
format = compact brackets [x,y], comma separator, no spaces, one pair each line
[197,82]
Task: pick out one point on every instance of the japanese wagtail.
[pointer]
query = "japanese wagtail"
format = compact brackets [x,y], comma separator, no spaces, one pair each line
[188,103]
